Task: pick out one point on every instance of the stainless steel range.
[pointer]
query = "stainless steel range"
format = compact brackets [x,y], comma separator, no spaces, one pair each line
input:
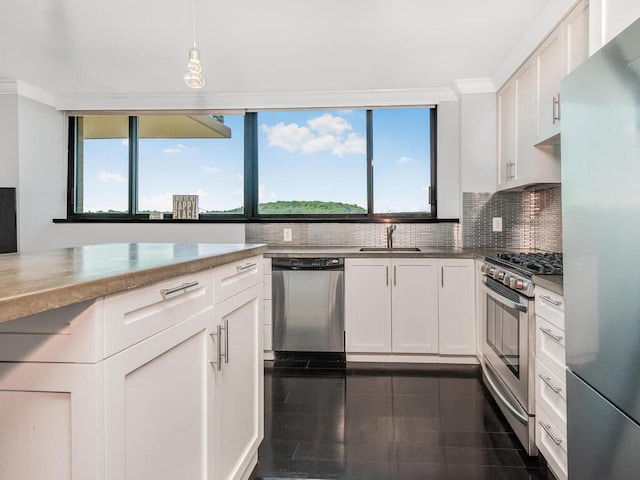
[509,337]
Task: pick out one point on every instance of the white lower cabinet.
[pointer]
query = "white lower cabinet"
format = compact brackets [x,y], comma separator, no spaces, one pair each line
[163,407]
[456,307]
[410,306]
[551,388]
[237,424]
[156,405]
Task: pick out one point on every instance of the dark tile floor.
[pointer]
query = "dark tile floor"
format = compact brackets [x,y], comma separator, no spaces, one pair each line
[429,422]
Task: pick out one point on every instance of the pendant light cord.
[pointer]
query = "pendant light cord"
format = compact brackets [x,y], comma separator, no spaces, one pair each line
[195,8]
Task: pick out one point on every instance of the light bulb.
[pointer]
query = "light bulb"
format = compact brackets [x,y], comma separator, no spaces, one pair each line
[194,78]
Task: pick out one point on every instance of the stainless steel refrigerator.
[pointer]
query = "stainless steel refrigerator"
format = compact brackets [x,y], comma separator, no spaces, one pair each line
[601,228]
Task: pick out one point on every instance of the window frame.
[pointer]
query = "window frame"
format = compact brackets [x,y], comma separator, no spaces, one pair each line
[251,183]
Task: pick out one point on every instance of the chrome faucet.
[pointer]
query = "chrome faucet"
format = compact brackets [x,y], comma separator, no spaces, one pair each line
[390,230]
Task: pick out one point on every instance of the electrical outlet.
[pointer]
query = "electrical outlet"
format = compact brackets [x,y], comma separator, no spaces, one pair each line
[497,224]
[288,236]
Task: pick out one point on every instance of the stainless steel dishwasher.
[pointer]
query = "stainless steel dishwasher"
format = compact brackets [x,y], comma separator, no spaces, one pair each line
[308,304]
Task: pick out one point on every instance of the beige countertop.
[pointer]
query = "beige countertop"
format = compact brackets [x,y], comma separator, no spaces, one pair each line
[550,282]
[424,252]
[35,282]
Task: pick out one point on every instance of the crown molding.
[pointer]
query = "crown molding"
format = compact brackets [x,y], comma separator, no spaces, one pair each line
[24,89]
[258,100]
[464,86]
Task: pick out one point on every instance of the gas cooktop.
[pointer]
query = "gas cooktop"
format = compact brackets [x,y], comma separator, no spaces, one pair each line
[530,263]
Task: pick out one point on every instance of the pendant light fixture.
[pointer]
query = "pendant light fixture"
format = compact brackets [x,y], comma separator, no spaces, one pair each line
[194,78]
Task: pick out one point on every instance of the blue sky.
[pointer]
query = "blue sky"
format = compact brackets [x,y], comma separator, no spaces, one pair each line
[303,155]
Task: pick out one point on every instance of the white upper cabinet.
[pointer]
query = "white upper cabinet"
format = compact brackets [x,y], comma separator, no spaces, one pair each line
[529,105]
[549,63]
[506,133]
[575,37]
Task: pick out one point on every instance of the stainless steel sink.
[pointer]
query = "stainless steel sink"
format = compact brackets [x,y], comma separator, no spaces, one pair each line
[392,249]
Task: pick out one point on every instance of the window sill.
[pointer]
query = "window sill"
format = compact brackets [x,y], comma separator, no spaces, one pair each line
[389,219]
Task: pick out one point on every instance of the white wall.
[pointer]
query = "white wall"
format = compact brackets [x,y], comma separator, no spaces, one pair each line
[448,167]
[9,141]
[36,133]
[478,155]
[40,136]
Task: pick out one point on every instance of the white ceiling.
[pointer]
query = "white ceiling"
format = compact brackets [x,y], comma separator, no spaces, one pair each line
[131,47]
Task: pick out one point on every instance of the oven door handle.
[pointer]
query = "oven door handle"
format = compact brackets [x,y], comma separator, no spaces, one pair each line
[488,373]
[501,299]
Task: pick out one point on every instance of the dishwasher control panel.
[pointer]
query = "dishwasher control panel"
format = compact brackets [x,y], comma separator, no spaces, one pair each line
[307,263]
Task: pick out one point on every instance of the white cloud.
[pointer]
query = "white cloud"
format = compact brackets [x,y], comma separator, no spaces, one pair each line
[111,177]
[237,176]
[327,123]
[162,202]
[209,170]
[325,133]
[177,149]
[425,188]
[200,192]
[353,144]
[288,137]
[125,142]
[320,144]
[405,160]
[240,191]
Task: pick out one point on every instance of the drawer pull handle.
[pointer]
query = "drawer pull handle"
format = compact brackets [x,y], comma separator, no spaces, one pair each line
[167,292]
[550,300]
[226,341]
[547,380]
[217,337]
[547,428]
[548,332]
[246,266]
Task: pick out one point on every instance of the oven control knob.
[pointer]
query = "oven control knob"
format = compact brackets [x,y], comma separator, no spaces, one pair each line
[512,282]
[500,276]
[483,268]
[491,271]
[519,284]
[507,279]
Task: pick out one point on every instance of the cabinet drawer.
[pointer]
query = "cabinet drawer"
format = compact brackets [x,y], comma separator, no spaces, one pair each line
[137,314]
[551,394]
[71,334]
[550,306]
[550,347]
[235,277]
[552,443]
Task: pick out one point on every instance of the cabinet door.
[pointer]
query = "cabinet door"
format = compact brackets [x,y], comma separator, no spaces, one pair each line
[506,134]
[237,425]
[368,305]
[575,35]
[549,59]
[414,306]
[51,421]
[525,81]
[456,307]
[156,405]
[481,309]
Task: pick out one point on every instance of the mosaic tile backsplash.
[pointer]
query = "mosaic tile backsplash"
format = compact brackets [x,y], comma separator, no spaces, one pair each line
[530,219]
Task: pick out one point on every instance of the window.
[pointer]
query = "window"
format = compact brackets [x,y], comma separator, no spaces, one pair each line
[168,154]
[342,165]
[312,162]
[401,160]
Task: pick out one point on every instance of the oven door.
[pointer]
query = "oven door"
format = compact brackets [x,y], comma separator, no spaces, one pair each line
[507,340]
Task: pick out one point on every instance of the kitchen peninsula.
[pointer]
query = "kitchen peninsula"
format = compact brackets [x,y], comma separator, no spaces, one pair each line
[131,361]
